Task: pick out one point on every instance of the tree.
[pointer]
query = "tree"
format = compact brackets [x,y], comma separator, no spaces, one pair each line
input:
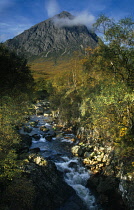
[16,85]
[15,75]
[43,88]
[118,48]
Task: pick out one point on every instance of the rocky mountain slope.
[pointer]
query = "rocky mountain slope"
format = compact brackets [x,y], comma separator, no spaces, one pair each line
[52,37]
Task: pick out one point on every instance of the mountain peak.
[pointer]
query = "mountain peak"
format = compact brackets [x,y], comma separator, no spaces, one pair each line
[65,14]
[55,36]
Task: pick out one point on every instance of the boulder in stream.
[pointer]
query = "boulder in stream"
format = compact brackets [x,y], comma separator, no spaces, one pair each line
[48,137]
[33,123]
[36,136]
[44,128]
[35,150]
[78,150]
[27,129]
[26,139]
[51,190]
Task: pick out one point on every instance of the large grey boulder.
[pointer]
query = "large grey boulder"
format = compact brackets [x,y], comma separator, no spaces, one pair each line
[51,190]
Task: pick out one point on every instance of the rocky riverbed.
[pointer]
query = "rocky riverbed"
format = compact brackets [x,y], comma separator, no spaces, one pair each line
[58,177]
[110,179]
[68,173]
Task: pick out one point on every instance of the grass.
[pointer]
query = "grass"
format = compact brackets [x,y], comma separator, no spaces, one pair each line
[47,69]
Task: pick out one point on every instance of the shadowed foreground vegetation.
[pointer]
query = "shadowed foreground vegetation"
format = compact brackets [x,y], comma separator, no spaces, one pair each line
[16,90]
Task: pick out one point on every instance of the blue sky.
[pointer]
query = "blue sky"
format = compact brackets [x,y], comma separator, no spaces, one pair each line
[19,15]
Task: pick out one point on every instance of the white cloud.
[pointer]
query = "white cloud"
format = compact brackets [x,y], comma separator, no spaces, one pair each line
[52,8]
[83,18]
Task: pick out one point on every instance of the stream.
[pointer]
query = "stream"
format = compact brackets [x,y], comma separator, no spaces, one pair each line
[58,150]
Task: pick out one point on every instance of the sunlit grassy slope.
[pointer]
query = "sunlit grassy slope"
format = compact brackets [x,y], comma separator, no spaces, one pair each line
[47,69]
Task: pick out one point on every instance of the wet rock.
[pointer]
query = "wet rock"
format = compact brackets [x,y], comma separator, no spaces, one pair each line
[99,158]
[36,150]
[48,137]
[46,115]
[87,161]
[23,149]
[89,148]
[105,158]
[73,139]
[103,199]
[101,149]
[44,128]
[18,127]
[75,150]
[26,139]
[51,190]
[107,185]
[27,118]
[38,159]
[109,170]
[78,150]
[92,154]
[126,187]
[81,151]
[27,129]
[73,203]
[73,165]
[39,110]
[107,191]
[36,136]
[69,139]
[56,157]
[51,133]
[33,123]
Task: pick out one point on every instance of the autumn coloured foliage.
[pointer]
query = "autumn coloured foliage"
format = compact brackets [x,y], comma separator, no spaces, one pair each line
[97,91]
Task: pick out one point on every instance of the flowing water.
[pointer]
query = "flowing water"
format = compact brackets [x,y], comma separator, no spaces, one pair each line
[76,176]
[58,150]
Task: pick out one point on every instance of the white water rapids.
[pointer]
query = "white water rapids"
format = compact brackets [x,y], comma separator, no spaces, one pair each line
[76,176]
[74,173]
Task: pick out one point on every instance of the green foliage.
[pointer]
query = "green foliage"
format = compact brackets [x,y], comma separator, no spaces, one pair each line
[9,167]
[12,113]
[69,106]
[15,77]
[100,94]
[16,86]
[111,99]
[19,194]
[43,88]
[102,24]
[119,33]
[118,51]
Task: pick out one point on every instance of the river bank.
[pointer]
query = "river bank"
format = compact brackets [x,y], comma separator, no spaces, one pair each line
[61,171]
[107,181]
[58,177]
[111,178]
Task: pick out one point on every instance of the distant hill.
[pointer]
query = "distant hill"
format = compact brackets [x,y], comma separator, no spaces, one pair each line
[53,37]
